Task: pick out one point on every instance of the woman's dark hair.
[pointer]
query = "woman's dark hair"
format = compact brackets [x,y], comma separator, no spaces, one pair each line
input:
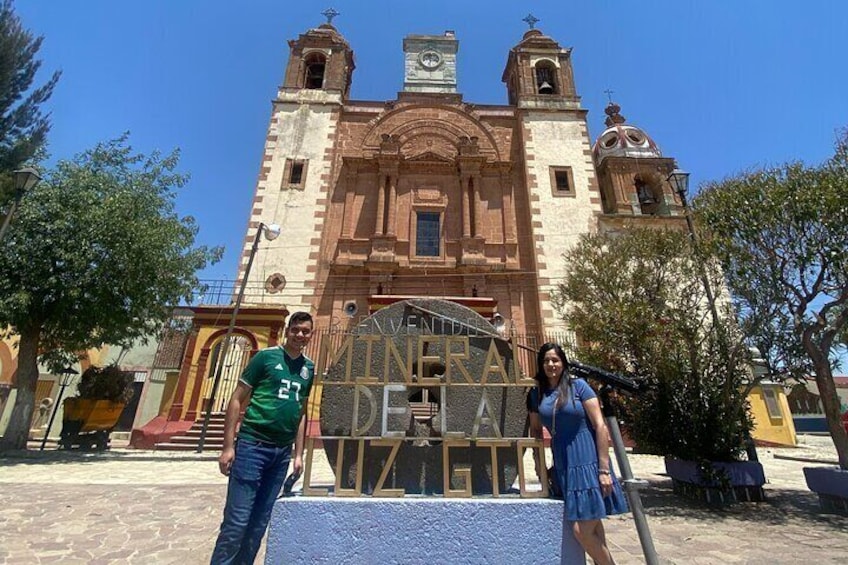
[542,379]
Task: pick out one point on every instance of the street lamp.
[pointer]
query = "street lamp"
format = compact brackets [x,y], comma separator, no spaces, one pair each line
[66,375]
[679,181]
[271,232]
[25,180]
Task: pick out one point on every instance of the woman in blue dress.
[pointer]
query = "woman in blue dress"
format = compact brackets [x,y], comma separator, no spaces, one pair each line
[571,412]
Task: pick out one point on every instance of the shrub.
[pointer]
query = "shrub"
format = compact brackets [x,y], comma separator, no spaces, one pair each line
[106,383]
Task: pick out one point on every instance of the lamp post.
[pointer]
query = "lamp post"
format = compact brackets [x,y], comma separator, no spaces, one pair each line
[25,180]
[679,181]
[65,376]
[271,232]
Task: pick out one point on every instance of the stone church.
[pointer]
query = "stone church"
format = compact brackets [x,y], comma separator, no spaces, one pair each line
[432,195]
[426,195]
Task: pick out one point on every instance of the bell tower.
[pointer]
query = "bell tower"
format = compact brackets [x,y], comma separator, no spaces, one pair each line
[320,60]
[556,157]
[632,173]
[292,189]
[538,73]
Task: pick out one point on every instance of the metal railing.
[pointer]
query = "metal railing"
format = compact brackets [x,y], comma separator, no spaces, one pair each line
[222,292]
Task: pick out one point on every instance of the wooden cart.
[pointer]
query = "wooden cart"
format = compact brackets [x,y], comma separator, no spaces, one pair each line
[87,423]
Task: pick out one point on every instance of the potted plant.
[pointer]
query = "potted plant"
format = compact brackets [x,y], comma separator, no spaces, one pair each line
[639,302]
[103,392]
[830,483]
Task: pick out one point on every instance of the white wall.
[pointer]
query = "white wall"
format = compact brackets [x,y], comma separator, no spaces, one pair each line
[558,139]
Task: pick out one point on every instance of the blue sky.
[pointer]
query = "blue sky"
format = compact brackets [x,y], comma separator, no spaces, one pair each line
[720,85]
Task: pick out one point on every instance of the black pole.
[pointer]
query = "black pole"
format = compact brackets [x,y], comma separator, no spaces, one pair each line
[53,415]
[630,483]
[8,219]
[225,344]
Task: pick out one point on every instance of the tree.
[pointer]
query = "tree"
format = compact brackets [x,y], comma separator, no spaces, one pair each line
[23,126]
[638,302]
[97,255]
[781,234]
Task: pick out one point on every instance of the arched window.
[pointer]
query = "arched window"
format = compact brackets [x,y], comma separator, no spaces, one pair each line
[314,65]
[546,78]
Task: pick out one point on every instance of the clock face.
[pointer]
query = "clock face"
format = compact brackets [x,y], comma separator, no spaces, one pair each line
[430,59]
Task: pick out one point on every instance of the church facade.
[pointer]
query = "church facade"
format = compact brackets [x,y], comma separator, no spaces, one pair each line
[432,195]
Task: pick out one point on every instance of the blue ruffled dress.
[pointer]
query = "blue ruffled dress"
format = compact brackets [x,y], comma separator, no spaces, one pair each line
[576,456]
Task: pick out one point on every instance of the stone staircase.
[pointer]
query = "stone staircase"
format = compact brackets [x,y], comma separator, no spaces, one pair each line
[189,441]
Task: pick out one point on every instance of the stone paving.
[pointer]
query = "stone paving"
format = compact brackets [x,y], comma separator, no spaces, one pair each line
[128,506]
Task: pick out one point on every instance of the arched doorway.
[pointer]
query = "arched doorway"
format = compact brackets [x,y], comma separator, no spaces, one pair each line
[238,354]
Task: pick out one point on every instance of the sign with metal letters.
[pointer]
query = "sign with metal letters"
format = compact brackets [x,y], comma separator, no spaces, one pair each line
[424,397]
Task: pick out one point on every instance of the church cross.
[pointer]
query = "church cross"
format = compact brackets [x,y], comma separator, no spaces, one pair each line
[330,13]
[609,94]
[531,20]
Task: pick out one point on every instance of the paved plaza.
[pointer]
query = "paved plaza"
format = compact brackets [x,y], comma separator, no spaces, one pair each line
[128,506]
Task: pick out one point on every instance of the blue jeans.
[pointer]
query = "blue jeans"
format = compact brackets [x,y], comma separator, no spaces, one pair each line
[256,476]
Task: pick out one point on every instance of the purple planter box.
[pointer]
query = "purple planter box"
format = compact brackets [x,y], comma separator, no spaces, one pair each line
[827,480]
[741,473]
[746,482]
[831,484]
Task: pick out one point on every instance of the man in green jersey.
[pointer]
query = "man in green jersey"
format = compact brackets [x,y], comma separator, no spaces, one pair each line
[274,387]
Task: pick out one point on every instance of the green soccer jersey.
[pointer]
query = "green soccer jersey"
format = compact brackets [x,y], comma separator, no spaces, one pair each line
[280,387]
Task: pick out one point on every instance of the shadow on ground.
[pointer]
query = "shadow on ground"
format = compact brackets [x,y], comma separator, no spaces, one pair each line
[32,457]
[782,506]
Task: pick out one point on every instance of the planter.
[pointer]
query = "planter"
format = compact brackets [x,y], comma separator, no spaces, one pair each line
[744,481]
[94,414]
[831,484]
[86,423]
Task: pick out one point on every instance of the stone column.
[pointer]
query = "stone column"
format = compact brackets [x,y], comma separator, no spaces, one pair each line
[466,204]
[381,204]
[392,211]
[350,194]
[474,196]
[507,210]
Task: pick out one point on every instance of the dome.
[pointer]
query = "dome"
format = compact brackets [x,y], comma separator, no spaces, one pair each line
[622,140]
[327,30]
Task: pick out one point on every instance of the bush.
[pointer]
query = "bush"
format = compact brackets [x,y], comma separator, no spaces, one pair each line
[694,406]
[106,383]
[638,302]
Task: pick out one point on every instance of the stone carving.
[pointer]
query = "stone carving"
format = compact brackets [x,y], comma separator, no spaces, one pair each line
[469,145]
[452,124]
[389,143]
[429,142]
[428,194]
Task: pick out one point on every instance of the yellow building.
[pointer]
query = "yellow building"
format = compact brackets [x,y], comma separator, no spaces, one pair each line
[773,423]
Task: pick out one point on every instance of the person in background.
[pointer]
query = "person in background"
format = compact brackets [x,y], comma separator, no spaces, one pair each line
[571,412]
[274,388]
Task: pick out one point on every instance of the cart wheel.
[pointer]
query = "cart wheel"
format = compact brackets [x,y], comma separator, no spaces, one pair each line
[102,439]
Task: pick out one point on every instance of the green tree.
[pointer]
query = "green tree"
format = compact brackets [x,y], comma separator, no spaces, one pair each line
[97,255]
[638,302]
[23,126]
[781,234]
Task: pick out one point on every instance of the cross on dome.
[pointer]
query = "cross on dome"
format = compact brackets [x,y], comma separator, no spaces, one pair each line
[531,20]
[330,13]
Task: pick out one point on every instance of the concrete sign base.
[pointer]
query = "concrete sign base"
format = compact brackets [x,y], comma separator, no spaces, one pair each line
[420,530]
